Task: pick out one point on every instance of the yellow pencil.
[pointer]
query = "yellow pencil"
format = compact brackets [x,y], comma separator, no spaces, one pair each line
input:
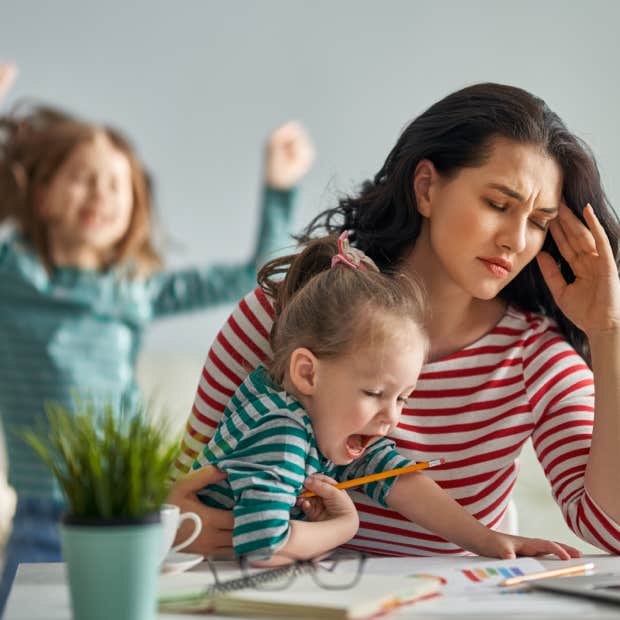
[356,482]
[556,572]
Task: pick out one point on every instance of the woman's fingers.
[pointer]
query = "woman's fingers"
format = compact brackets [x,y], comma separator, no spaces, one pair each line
[586,248]
[216,534]
[602,245]
[561,240]
[551,274]
[579,236]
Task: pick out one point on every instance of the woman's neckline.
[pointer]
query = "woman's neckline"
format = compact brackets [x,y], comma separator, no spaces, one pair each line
[475,342]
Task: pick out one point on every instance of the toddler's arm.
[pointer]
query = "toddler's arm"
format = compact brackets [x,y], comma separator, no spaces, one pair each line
[423,501]
[337,523]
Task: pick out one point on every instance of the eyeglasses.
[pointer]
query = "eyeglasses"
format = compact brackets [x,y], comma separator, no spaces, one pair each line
[337,571]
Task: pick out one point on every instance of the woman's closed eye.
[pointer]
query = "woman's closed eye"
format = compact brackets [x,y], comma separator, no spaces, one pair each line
[540,224]
[374,393]
[497,206]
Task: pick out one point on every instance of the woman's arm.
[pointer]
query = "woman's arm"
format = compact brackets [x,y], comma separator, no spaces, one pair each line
[592,302]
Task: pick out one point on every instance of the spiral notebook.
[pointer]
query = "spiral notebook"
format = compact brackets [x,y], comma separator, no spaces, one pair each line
[303,599]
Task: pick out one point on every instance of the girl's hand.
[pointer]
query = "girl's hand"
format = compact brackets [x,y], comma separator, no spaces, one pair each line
[592,301]
[508,547]
[329,503]
[8,73]
[215,538]
[288,157]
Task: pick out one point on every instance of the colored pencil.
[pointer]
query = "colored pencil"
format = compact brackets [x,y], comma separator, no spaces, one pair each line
[356,482]
[575,569]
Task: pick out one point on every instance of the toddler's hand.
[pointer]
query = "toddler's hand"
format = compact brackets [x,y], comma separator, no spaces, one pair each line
[8,73]
[289,155]
[329,503]
[508,547]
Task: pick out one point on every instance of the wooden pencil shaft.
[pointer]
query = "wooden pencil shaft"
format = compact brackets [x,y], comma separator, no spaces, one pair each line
[356,482]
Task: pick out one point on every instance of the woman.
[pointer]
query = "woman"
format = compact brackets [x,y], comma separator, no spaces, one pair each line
[483,198]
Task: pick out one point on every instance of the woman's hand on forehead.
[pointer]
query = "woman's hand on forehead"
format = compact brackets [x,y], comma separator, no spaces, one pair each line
[592,300]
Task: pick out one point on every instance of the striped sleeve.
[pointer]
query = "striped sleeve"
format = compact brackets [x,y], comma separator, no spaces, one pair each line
[185,290]
[560,388]
[240,346]
[192,289]
[381,456]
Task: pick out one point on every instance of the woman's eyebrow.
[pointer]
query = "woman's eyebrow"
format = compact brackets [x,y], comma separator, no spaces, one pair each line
[517,196]
[507,190]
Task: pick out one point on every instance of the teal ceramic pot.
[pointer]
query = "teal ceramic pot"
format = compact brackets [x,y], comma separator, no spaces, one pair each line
[112,567]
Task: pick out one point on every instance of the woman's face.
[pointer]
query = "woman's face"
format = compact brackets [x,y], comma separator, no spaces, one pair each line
[484,225]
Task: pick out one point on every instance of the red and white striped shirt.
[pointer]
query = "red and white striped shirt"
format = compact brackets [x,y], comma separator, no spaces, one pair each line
[476,408]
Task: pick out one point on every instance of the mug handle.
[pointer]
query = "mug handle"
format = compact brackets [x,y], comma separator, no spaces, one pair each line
[192,516]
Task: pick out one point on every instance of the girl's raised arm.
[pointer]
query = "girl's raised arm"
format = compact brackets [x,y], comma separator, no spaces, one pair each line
[8,73]
[288,157]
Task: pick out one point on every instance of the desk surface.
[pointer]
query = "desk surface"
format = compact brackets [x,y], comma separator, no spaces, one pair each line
[40,593]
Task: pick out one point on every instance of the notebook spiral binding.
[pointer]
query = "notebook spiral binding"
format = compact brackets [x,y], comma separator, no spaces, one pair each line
[251,581]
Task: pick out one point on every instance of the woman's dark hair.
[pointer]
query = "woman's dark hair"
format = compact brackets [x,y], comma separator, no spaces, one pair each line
[454,133]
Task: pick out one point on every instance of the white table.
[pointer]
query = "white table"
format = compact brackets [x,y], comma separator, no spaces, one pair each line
[40,593]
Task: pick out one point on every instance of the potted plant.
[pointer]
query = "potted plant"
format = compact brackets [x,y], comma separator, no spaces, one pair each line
[112,466]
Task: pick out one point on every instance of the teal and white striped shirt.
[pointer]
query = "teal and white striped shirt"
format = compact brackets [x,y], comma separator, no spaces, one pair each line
[79,331]
[266,444]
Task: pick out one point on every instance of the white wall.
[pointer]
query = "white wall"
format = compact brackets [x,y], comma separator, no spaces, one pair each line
[198,84]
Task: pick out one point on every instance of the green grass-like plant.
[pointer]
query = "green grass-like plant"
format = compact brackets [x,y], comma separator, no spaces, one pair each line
[110,463]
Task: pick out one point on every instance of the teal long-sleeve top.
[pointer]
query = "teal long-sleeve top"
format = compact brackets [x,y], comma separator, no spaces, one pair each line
[79,331]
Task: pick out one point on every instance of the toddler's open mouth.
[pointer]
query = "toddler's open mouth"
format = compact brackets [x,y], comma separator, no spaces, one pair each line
[357,443]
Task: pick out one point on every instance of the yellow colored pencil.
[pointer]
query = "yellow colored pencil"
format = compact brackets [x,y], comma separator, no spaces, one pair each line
[356,482]
[574,569]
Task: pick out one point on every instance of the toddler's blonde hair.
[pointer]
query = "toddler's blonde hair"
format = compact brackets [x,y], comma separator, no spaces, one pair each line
[332,311]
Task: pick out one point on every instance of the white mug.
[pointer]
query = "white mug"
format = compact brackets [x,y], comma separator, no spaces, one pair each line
[171,519]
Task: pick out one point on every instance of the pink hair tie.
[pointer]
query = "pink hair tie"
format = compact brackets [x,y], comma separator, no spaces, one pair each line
[351,257]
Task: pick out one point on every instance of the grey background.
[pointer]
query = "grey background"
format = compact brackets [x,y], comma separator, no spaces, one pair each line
[199,84]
